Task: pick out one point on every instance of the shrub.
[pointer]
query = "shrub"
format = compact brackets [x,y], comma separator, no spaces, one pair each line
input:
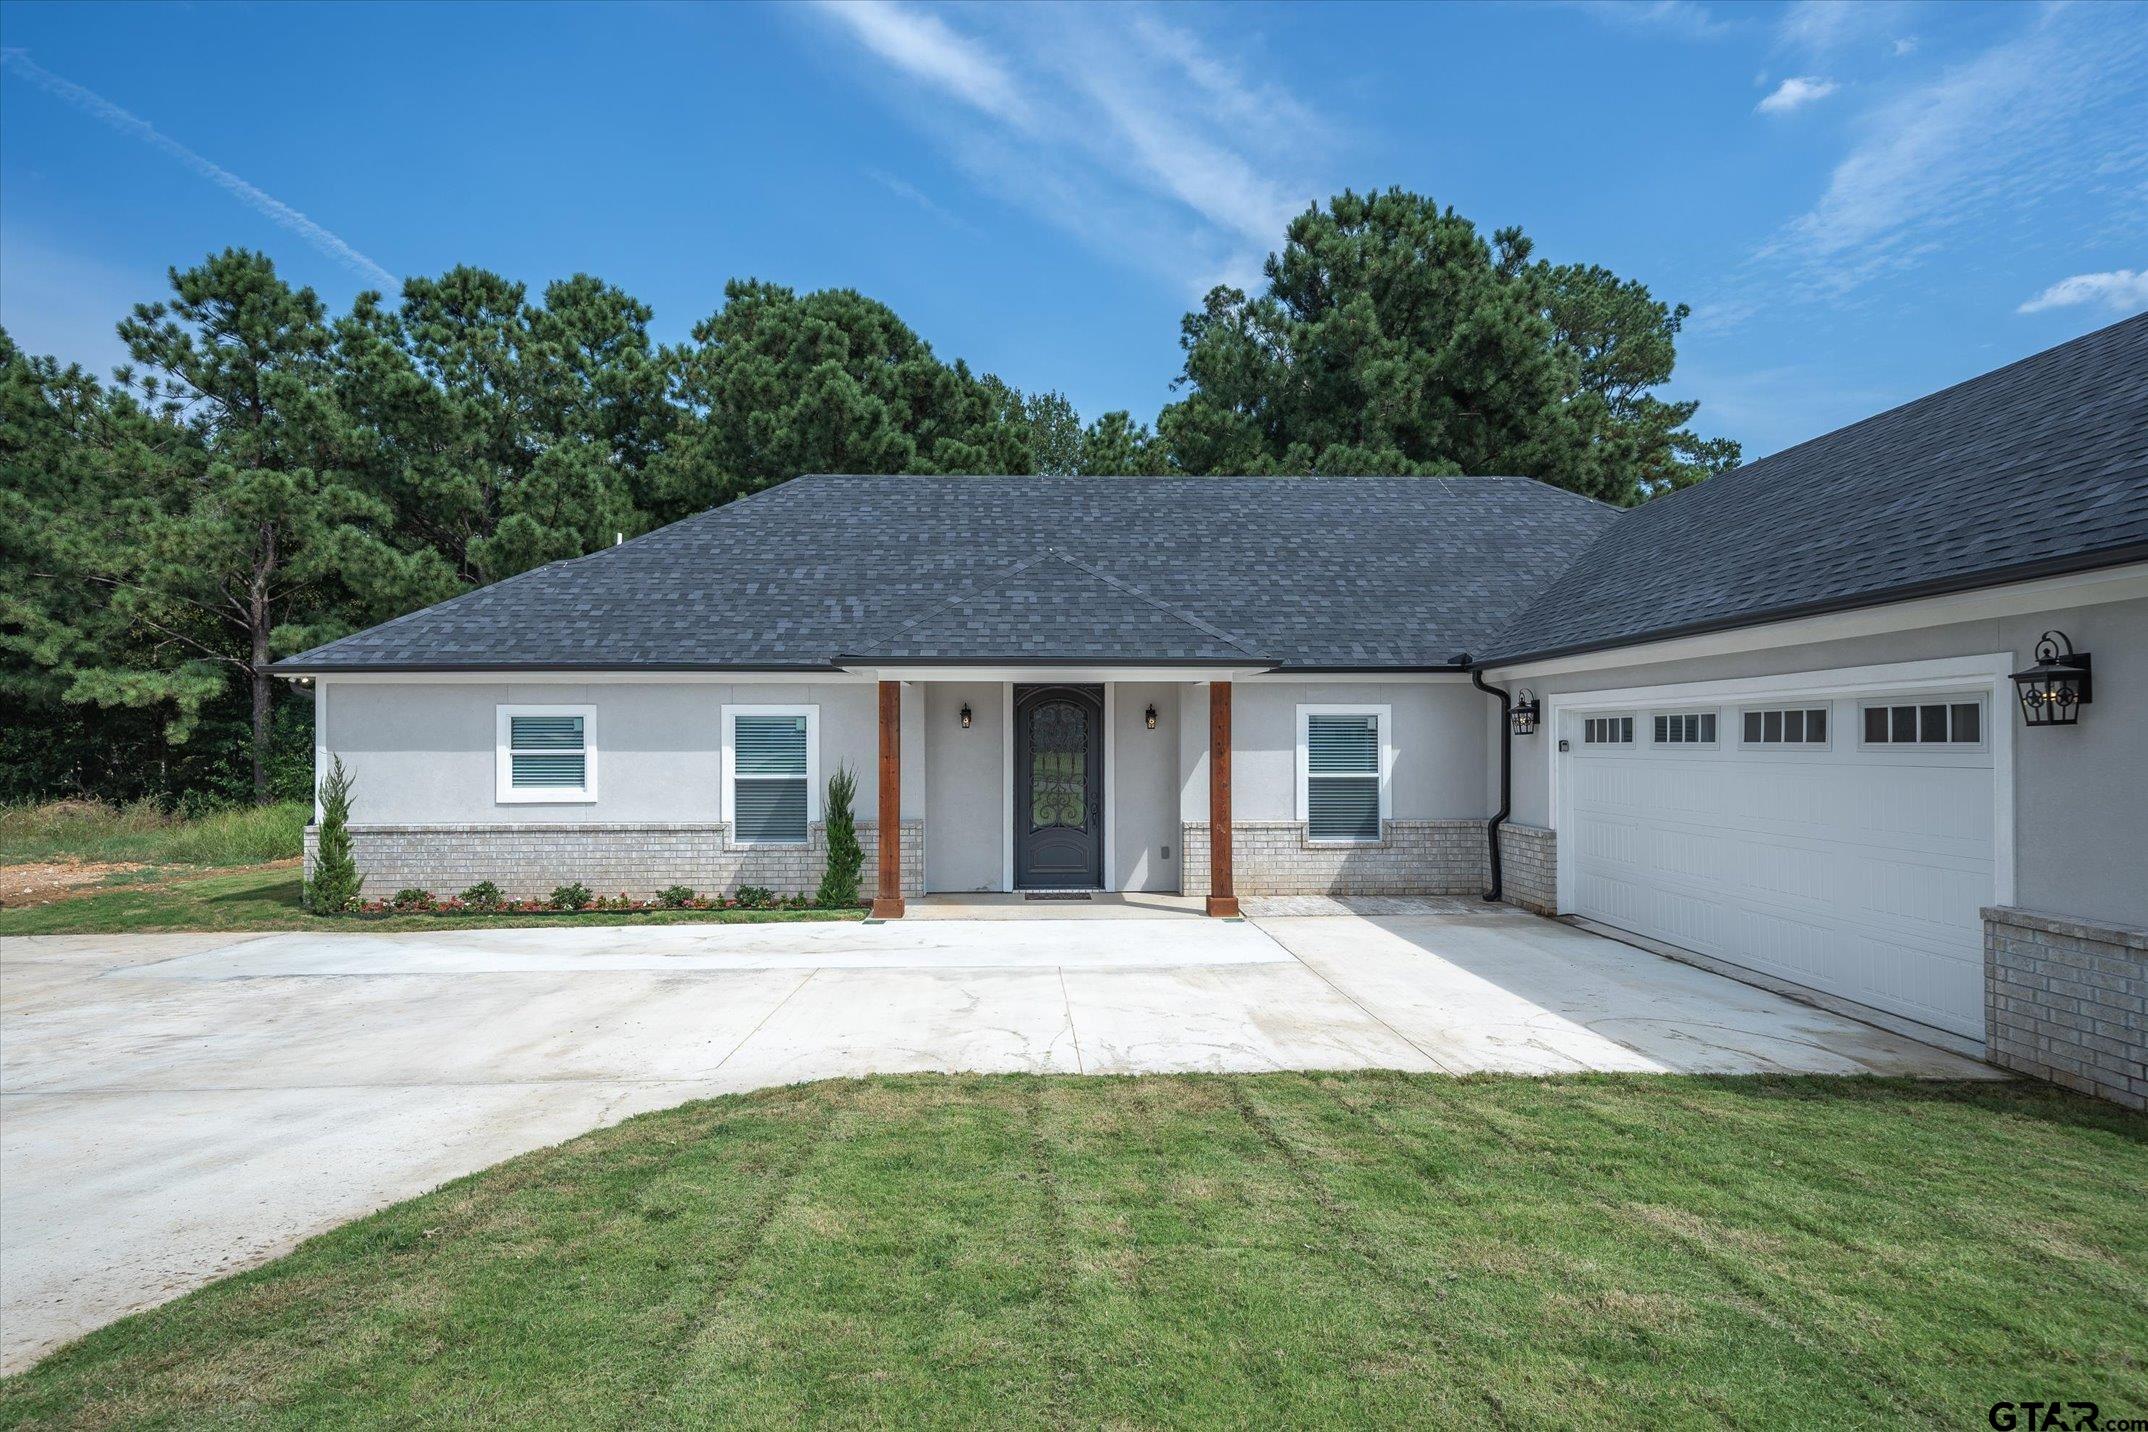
[755,897]
[571,897]
[839,883]
[675,897]
[413,898]
[484,895]
[336,877]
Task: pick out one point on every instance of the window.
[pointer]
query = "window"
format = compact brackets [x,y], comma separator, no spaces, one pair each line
[1789,726]
[1685,728]
[771,773]
[1607,731]
[1927,723]
[546,753]
[1342,772]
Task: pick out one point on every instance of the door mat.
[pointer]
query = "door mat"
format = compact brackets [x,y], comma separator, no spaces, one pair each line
[1055,894]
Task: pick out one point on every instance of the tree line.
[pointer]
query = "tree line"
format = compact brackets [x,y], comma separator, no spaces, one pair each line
[264,475]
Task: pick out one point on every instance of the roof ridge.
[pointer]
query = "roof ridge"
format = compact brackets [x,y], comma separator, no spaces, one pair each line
[970,589]
[1165,607]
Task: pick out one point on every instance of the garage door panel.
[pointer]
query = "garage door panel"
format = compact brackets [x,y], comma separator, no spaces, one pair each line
[1856,872]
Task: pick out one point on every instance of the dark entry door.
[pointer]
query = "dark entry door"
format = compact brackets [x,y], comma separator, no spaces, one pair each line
[1058,787]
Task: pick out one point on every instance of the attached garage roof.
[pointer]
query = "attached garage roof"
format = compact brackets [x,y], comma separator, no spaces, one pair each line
[1348,573]
[2036,469]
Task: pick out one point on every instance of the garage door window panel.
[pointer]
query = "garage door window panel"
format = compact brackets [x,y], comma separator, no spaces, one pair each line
[1683,728]
[1774,728]
[1951,724]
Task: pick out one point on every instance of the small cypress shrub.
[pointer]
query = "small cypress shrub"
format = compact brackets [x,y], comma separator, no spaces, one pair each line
[839,882]
[336,877]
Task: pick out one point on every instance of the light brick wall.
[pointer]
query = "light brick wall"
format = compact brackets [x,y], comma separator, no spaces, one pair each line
[531,860]
[2064,1000]
[1528,863]
[1415,857]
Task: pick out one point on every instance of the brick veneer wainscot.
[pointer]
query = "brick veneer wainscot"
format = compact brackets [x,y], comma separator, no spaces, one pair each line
[1414,857]
[531,859]
[2064,1000]
[1529,865]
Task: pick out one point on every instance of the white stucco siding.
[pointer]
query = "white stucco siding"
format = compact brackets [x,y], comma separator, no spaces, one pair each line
[964,782]
[423,752]
[1144,787]
[2080,793]
[1438,739]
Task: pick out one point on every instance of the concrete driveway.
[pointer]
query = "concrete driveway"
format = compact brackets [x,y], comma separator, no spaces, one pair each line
[177,1107]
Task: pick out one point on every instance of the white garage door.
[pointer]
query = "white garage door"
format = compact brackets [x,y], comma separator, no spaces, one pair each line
[1841,843]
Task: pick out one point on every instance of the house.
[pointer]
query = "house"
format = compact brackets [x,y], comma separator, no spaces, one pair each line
[1769,722]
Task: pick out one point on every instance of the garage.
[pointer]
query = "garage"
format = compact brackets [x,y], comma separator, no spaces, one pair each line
[1822,830]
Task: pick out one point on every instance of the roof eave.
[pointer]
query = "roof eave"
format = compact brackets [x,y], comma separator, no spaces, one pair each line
[1886,596]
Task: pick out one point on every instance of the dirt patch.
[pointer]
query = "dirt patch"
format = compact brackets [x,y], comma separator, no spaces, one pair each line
[45,882]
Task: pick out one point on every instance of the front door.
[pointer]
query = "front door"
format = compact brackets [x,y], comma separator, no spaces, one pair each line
[1058,787]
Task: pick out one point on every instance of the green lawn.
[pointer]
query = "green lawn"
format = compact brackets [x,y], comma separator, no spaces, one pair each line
[268,899]
[1269,1250]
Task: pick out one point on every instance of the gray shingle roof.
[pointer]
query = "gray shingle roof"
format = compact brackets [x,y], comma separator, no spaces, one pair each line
[1333,572]
[1046,607]
[2038,467]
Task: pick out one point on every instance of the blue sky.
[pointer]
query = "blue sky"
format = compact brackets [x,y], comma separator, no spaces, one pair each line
[1862,203]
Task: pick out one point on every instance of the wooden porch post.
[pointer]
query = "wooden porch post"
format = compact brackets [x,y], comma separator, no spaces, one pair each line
[887,903]
[1222,896]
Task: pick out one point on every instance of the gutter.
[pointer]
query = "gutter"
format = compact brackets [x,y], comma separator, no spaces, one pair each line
[1506,774]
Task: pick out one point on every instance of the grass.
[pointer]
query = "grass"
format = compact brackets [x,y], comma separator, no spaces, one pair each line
[91,831]
[1274,1250]
[268,899]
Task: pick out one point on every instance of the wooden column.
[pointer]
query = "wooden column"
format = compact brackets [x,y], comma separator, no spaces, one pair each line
[1222,895]
[887,905]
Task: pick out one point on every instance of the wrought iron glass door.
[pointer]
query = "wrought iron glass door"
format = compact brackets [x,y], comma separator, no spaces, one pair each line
[1058,787]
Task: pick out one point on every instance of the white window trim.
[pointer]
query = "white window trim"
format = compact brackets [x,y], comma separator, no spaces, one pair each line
[1826,743]
[1649,722]
[730,772]
[1929,698]
[1385,716]
[1588,747]
[506,792]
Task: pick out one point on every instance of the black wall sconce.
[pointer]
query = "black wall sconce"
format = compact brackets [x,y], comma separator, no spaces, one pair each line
[2054,690]
[1525,713]
[1148,718]
[966,717]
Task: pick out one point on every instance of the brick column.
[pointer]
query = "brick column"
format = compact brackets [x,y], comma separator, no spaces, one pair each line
[1222,896]
[887,904]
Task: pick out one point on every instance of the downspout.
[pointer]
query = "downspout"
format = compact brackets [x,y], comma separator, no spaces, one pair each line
[1506,772]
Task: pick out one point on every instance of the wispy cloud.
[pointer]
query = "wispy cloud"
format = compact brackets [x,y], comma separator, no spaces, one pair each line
[1825,28]
[1682,17]
[1131,130]
[267,205]
[2037,114]
[905,190]
[921,45]
[1796,93]
[2120,290]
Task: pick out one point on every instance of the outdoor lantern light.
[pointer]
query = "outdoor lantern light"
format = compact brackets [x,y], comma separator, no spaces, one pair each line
[1525,713]
[2055,689]
[965,715]
[1148,718]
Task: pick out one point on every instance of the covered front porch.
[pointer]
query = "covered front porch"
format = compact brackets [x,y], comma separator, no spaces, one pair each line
[1054,782]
